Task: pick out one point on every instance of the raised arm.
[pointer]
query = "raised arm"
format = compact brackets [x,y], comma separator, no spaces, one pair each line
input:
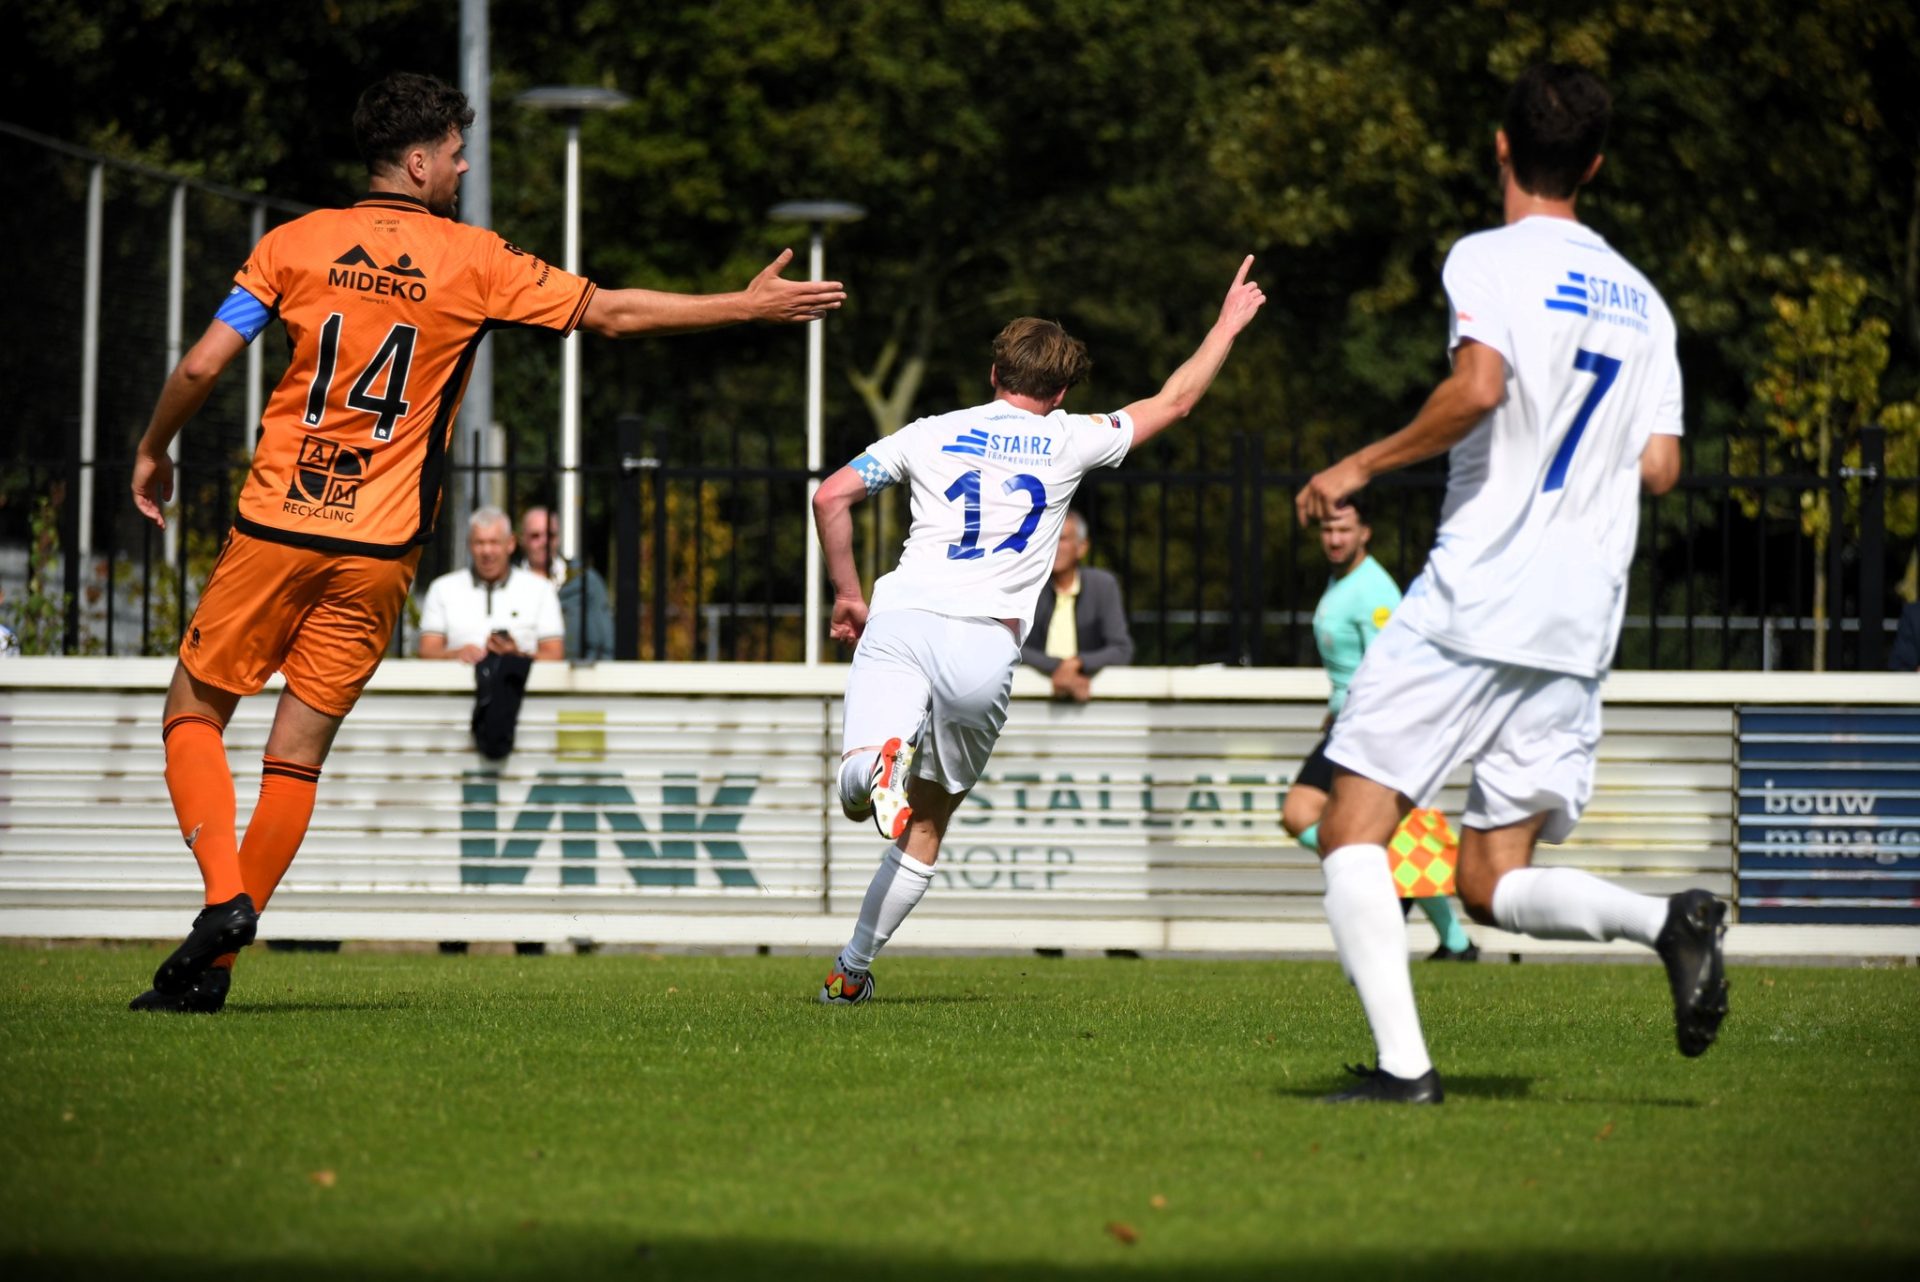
[832,517]
[1478,384]
[1190,382]
[185,391]
[624,313]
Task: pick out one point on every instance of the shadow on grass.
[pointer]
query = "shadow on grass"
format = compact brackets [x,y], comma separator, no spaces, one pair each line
[919,999]
[1462,1086]
[1638,1101]
[603,1253]
[298,1007]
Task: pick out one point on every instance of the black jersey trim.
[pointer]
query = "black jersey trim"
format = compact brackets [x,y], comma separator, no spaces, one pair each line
[395,200]
[321,542]
[435,467]
[579,312]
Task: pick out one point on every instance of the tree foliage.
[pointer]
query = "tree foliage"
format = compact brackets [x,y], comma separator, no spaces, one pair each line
[1104,162]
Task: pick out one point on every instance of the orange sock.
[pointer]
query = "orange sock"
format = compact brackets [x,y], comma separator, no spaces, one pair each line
[201,785]
[278,826]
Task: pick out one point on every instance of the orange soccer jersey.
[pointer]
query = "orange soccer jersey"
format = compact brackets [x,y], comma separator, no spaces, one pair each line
[385,302]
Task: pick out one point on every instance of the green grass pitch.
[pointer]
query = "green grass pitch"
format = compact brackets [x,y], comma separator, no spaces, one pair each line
[386,1115]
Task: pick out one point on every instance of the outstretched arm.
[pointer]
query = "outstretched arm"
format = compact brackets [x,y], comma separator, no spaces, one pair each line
[185,391]
[624,313]
[832,516]
[1190,382]
[1478,384]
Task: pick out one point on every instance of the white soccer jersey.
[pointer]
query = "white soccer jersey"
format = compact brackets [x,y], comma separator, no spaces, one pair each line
[991,486]
[1530,563]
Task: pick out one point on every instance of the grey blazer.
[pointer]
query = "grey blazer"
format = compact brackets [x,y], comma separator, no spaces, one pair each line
[1100,617]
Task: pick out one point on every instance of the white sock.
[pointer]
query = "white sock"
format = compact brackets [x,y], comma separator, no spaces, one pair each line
[1363,907]
[856,772]
[1565,903]
[896,887]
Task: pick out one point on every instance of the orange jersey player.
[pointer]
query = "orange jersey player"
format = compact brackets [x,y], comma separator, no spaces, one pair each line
[384,302]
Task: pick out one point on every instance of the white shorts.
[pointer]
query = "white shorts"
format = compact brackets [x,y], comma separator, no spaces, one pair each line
[913,661]
[1416,711]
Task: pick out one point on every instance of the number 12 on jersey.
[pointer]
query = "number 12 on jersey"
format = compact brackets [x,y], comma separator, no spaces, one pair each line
[967,490]
[1604,370]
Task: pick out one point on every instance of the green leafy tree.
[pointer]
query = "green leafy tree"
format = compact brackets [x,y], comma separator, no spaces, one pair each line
[1818,388]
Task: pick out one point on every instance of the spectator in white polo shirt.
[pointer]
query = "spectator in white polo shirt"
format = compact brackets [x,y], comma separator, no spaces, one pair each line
[493,607]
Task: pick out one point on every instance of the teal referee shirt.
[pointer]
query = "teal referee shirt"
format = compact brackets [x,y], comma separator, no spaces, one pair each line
[1350,615]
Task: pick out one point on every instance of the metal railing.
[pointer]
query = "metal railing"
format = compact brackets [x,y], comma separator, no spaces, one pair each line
[705,558]
[703,541]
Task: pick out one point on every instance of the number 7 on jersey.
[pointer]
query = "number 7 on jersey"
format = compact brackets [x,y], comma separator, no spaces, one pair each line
[1604,370]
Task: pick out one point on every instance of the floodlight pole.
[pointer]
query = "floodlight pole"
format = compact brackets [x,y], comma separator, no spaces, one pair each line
[571,102]
[473,436]
[90,350]
[816,214]
[570,364]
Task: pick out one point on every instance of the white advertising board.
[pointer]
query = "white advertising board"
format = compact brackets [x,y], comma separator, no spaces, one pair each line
[690,805]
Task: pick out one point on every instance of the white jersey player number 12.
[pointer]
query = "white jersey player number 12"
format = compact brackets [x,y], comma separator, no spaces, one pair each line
[928,688]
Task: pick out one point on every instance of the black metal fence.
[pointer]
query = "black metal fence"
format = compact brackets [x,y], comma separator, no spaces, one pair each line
[702,535]
[704,551]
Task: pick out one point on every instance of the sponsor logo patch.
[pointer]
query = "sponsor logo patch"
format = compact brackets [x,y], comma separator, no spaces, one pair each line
[326,480]
[357,270]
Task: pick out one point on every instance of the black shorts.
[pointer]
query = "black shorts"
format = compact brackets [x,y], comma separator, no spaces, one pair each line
[1316,771]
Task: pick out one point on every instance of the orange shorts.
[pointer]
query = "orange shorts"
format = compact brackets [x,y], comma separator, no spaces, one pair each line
[322,619]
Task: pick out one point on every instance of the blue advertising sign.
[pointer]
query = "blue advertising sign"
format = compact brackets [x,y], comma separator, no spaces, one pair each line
[1829,823]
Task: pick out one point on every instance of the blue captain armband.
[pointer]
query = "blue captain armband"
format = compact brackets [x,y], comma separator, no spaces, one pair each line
[876,476]
[244,313]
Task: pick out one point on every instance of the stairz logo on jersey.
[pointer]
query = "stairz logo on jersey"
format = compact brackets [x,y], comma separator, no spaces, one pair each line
[1025,448]
[1600,299]
[326,480]
[357,270]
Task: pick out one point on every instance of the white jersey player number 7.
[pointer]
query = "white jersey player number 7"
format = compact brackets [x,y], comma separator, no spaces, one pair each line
[1537,532]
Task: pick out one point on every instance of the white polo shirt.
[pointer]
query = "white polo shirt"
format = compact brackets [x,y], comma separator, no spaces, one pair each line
[466,610]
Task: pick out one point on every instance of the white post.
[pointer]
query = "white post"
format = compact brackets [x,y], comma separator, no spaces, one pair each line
[90,354]
[816,380]
[256,369]
[570,368]
[176,322]
[473,434]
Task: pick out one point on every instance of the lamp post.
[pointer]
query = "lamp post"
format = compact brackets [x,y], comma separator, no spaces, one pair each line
[570,103]
[817,214]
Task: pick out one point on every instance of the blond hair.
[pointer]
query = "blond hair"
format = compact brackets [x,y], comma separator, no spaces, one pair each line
[1034,357]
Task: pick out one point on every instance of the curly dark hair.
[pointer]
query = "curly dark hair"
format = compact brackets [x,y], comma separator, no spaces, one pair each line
[1556,122]
[1035,357]
[406,110]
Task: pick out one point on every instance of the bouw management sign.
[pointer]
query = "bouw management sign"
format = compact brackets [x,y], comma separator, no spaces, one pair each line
[1829,818]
